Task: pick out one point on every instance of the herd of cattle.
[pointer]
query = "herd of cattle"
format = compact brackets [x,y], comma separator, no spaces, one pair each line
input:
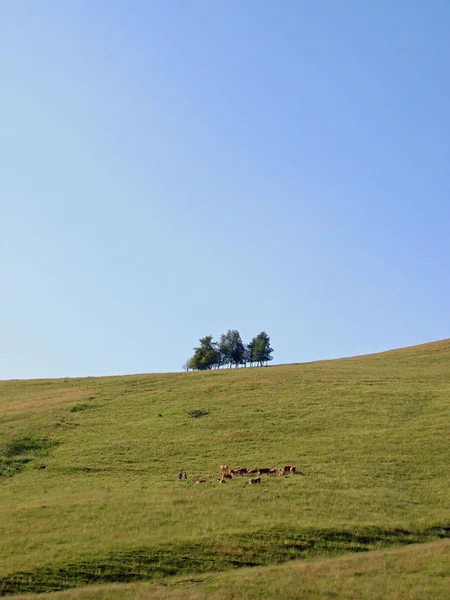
[227,473]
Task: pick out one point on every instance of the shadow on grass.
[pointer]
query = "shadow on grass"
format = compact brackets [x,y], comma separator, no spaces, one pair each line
[17,453]
[259,548]
[82,407]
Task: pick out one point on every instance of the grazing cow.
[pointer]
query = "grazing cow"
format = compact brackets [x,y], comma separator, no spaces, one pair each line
[293,469]
[255,480]
[201,481]
[287,468]
[273,471]
[224,467]
[252,471]
[262,471]
[227,475]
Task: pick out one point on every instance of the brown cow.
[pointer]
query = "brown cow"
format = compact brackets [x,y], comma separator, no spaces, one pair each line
[201,481]
[254,480]
[273,471]
[293,469]
[224,467]
[287,468]
[227,475]
[262,471]
[239,471]
[252,471]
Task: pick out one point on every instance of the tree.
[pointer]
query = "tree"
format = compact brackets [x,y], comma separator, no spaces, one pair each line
[232,348]
[261,348]
[206,356]
[248,356]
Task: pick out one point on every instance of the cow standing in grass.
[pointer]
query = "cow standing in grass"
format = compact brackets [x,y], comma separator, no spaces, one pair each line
[239,471]
[255,481]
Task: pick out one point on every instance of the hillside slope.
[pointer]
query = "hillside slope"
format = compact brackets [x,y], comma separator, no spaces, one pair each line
[417,571]
[89,488]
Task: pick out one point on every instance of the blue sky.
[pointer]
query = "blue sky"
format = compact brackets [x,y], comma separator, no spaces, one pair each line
[173,169]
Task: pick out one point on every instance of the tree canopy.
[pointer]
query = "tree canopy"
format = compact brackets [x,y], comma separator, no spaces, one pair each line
[261,350]
[206,356]
[232,348]
[230,351]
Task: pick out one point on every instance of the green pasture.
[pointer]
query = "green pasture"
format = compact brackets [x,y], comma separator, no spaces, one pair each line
[411,573]
[88,468]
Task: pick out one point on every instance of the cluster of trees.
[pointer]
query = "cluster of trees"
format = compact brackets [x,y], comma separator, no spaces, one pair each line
[230,351]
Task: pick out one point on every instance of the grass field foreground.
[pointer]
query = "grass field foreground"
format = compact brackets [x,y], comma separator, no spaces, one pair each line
[89,489]
[412,573]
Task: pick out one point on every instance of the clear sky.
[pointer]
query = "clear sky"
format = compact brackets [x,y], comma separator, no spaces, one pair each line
[173,169]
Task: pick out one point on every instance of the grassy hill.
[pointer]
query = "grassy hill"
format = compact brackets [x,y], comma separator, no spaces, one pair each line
[89,490]
[412,572]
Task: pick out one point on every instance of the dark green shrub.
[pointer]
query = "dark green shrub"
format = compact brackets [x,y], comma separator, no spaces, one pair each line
[81,407]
